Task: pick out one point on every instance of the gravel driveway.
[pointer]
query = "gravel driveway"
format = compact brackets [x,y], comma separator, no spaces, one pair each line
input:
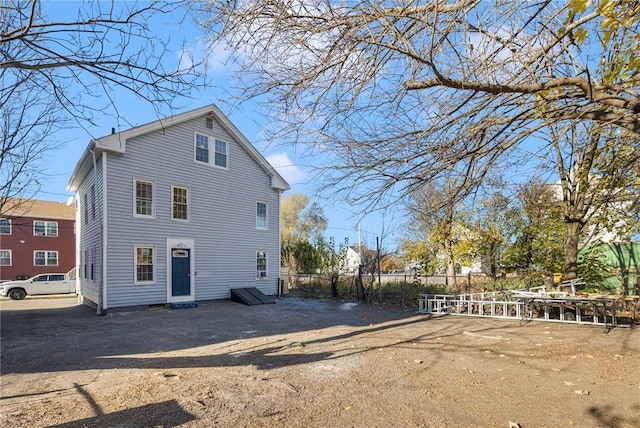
[308,363]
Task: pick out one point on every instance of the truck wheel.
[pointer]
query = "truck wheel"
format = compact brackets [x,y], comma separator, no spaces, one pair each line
[570,316]
[17,294]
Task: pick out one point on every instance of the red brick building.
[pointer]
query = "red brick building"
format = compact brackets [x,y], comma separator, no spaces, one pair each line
[36,237]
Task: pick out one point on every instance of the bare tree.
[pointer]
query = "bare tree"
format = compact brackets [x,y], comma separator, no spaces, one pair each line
[77,66]
[408,93]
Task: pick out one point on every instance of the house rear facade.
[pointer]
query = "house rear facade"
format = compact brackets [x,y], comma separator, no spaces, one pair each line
[178,210]
[36,237]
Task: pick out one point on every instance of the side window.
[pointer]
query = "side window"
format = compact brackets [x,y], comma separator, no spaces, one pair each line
[92,192]
[144,262]
[93,261]
[41,278]
[5,257]
[221,154]
[57,277]
[45,228]
[5,226]
[144,195]
[261,215]
[261,264]
[85,202]
[45,258]
[180,203]
[202,148]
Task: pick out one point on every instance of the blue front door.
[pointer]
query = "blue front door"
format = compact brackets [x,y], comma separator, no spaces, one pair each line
[180,272]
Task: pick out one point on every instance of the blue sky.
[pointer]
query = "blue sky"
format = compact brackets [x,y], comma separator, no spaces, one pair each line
[286,158]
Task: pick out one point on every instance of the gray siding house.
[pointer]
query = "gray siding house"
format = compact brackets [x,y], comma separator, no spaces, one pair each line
[178,210]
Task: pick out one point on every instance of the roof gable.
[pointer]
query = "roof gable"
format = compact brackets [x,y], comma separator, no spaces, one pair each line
[117,143]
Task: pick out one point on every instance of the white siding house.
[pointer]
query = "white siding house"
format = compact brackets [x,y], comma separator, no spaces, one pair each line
[178,210]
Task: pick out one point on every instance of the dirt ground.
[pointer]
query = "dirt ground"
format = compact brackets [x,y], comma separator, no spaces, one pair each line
[308,363]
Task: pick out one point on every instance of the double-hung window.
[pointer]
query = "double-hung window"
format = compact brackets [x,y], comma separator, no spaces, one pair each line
[221,154]
[45,228]
[45,258]
[93,202]
[85,202]
[144,265]
[144,195]
[5,226]
[202,148]
[261,215]
[180,203]
[261,264]
[5,257]
[210,151]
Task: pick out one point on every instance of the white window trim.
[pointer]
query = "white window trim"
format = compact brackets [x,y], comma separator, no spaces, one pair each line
[195,147]
[10,257]
[153,198]
[46,224]
[10,226]
[46,257]
[266,213]
[183,220]
[213,158]
[266,265]
[212,150]
[135,265]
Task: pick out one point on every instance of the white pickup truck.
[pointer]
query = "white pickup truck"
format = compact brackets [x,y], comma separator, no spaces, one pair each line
[45,283]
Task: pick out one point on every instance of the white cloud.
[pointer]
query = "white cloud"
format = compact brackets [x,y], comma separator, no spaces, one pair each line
[287,169]
[213,59]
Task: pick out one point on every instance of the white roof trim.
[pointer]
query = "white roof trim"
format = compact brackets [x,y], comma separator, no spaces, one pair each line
[117,143]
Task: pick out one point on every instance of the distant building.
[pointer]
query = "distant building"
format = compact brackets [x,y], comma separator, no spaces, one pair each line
[353,259]
[36,237]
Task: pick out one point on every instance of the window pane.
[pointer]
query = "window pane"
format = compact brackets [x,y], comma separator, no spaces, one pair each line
[180,203]
[202,148]
[261,215]
[38,228]
[39,258]
[221,153]
[5,258]
[93,202]
[144,264]
[85,202]
[52,228]
[144,198]
[52,258]
[261,264]
[5,226]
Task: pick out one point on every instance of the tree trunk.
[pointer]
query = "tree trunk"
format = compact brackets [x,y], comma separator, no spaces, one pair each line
[571,250]
[451,264]
[359,287]
[334,285]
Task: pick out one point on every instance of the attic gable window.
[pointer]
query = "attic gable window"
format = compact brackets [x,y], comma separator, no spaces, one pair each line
[209,122]
[210,151]
[221,154]
[202,148]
